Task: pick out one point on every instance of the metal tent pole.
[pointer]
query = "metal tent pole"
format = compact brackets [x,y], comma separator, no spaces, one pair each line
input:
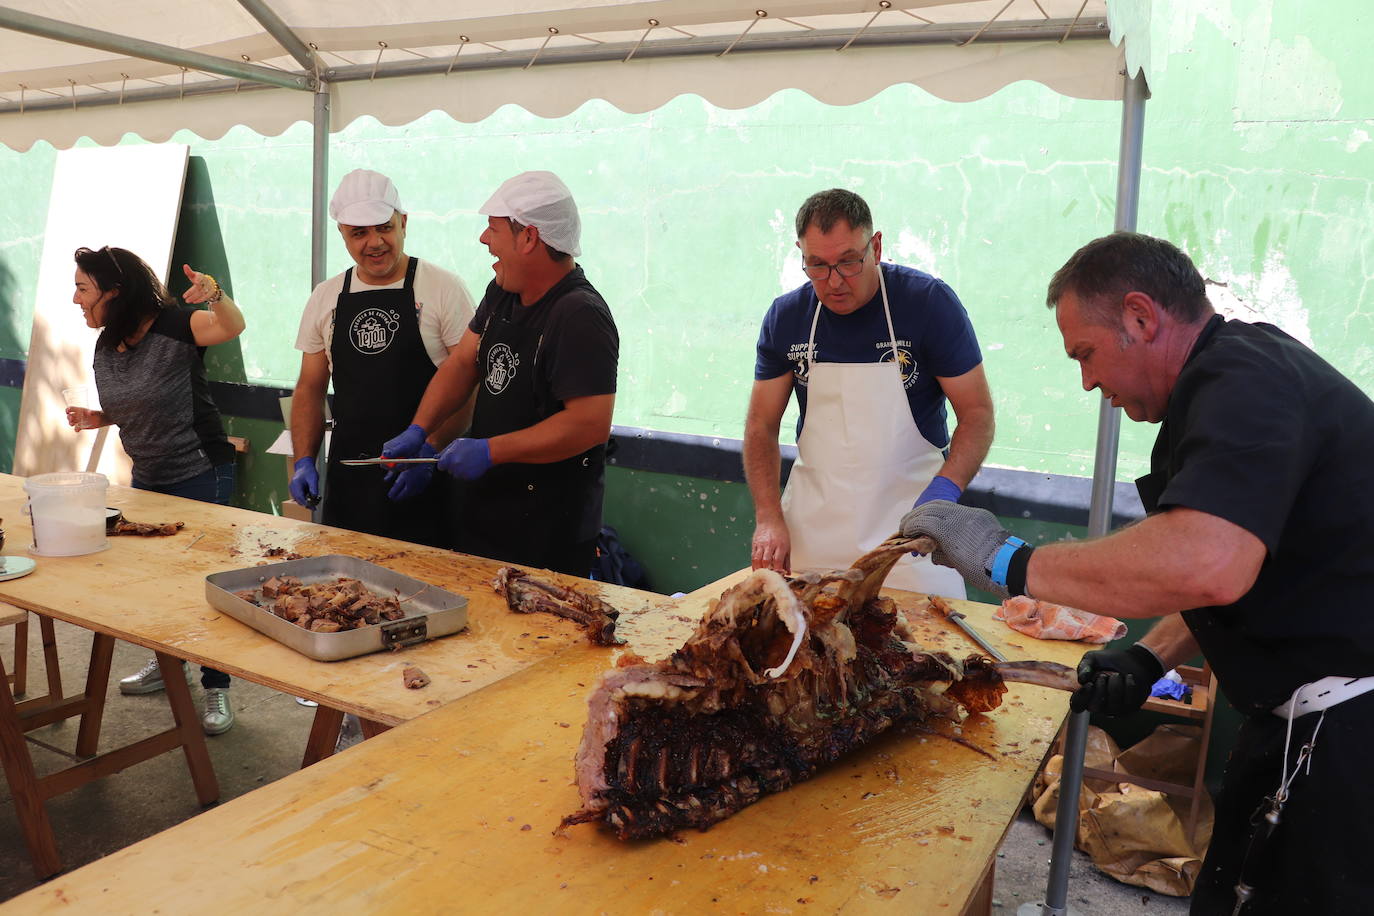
[57,30]
[279,30]
[319,174]
[1099,518]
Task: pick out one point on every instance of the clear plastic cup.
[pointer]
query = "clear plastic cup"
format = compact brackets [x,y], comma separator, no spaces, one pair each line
[79,397]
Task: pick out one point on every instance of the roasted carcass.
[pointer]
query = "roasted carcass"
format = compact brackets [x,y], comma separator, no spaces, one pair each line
[529,594]
[782,677]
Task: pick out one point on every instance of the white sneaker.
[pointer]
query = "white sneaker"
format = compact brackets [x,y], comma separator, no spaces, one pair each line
[219,714]
[148,679]
[350,733]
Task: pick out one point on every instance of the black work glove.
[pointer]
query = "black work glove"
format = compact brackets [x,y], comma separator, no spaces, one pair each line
[972,542]
[1116,682]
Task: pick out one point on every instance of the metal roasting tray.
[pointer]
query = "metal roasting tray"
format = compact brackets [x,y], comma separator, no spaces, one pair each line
[431,611]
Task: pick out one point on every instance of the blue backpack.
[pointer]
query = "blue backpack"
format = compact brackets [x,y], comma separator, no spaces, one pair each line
[614,564]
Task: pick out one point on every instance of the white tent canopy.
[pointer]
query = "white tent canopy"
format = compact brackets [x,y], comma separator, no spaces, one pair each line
[74,68]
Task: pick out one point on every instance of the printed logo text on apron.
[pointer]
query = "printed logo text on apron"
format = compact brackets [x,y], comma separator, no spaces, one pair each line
[501,365]
[372,330]
[903,359]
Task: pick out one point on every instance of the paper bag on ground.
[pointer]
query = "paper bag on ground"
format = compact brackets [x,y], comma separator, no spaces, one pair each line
[1136,835]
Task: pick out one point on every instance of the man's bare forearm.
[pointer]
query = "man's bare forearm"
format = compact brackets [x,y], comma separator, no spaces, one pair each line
[968,447]
[1172,641]
[762,470]
[447,393]
[307,423]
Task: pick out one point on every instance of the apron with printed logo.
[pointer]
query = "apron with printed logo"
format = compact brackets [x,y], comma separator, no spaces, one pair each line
[380,372]
[861,463]
[542,515]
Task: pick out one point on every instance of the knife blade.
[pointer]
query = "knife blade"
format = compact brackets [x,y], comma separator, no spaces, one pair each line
[958,620]
[362,462]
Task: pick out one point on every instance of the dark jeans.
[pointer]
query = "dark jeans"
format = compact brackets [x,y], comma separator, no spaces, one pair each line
[213,486]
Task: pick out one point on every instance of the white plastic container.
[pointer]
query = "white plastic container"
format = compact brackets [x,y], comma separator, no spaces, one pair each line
[68,511]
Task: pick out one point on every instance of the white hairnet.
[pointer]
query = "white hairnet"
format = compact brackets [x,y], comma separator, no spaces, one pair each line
[541,200]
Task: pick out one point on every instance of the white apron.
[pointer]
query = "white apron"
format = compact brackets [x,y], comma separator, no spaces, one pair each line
[861,463]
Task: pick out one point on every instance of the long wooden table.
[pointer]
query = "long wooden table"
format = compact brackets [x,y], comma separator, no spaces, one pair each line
[151,591]
[458,810]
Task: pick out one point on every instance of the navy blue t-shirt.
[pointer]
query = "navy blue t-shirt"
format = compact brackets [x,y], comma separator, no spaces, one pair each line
[934,339]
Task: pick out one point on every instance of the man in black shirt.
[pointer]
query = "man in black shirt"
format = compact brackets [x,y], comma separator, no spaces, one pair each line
[541,353]
[1258,551]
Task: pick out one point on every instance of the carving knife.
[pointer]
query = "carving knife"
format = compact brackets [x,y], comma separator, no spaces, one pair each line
[361,462]
[958,620]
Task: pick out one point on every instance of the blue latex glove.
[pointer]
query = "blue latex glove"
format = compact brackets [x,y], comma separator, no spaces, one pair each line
[410,479]
[939,488]
[466,459]
[1168,687]
[407,444]
[305,483]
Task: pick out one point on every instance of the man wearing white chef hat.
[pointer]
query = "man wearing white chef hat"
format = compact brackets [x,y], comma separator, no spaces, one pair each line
[541,354]
[378,330]
[872,351]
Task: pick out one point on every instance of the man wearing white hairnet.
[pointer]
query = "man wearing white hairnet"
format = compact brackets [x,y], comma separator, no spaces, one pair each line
[378,330]
[541,353]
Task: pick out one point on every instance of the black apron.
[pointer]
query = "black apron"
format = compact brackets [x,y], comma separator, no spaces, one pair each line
[381,370]
[541,515]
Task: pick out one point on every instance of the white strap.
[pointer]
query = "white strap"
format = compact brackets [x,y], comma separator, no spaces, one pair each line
[887,313]
[1323,694]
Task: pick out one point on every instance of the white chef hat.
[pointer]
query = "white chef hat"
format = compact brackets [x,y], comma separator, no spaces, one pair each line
[541,200]
[364,198]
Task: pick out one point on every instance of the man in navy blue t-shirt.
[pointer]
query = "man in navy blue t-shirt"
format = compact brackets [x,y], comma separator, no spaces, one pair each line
[872,351]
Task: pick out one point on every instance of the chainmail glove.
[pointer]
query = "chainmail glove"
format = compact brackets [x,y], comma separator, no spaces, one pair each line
[972,542]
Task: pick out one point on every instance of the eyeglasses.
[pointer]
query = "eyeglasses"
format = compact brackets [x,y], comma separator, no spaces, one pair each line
[843,268]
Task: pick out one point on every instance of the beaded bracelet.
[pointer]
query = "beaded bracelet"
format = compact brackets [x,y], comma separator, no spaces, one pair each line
[219,291]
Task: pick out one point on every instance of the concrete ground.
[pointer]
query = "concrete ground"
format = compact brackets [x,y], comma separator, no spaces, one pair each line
[267,742]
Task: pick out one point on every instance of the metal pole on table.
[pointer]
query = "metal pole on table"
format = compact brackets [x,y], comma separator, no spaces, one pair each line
[1099,518]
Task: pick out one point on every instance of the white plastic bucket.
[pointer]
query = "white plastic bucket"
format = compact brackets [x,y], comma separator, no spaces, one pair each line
[68,511]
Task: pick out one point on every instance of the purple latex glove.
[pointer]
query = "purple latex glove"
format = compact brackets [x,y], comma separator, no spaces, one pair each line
[939,488]
[305,483]
[466,459]
[410,479]
[406,445]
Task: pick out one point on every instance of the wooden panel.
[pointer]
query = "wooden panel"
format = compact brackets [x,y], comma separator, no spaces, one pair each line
[151,591]
[129,197]
[462,805]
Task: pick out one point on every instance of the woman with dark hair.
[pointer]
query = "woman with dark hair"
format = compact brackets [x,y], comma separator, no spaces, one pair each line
[151,380]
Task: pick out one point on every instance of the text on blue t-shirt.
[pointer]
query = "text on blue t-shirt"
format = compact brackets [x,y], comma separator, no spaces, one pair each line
[935,339]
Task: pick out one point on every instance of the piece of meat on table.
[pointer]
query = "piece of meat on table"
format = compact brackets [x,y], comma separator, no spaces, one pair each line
[414,678]
[147,529]
[527,594]
[781,678]
[1044,620]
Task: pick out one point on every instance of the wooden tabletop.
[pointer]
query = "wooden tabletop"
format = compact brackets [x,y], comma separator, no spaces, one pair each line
[457,810]
[151,591]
